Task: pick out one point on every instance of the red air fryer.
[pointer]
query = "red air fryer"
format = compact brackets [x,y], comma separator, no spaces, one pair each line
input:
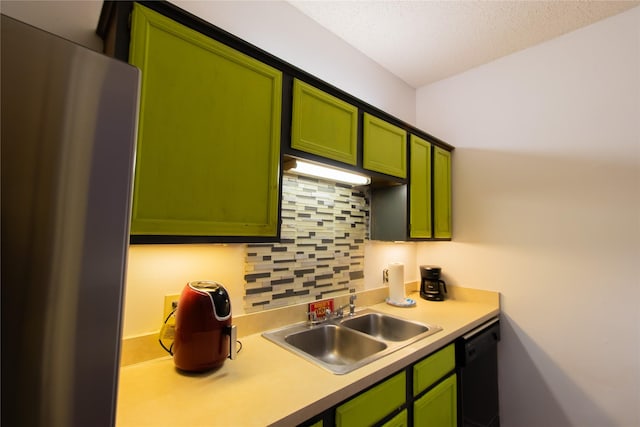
[204,336]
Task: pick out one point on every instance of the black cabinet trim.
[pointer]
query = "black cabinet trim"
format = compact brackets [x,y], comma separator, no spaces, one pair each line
[139,239]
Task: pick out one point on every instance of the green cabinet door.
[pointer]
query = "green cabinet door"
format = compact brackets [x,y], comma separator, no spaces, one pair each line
[437,407]
[400,420]
[384,147]
[208,152]
[420,217]
[373,405]
[323,124]
[431,369]
[441,193]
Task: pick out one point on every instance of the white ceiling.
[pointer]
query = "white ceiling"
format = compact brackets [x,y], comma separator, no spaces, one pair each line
[423,41]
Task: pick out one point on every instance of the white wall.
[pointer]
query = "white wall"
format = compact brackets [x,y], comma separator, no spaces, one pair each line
[73,20]
[546,183]
[274,26]
[282,30]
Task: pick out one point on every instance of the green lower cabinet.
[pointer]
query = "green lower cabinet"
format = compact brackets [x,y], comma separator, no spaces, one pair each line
[437,408]
[373,405]
[208,154]
[431,369]
[384,147]
[441,193]
[323,124]
[432,402]
[400,420]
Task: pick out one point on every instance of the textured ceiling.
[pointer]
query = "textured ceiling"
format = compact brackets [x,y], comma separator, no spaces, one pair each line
[425,41]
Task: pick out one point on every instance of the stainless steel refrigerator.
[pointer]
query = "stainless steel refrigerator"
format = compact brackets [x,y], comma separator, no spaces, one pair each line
[68,137]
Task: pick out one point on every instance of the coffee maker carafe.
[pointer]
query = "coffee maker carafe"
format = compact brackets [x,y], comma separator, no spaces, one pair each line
[430,286]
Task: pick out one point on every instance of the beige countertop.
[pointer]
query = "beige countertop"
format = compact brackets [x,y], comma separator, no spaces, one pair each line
[268,385]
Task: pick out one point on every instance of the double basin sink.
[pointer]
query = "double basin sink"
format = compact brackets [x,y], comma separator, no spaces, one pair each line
[342,345]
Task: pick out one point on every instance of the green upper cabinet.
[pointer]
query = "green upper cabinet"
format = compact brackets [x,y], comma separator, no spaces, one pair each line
[429,191]
[323,124]
[384,147]
[420,218]
[208,154]
[441,193]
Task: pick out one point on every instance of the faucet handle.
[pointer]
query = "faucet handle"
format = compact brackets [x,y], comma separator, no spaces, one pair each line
[352,304]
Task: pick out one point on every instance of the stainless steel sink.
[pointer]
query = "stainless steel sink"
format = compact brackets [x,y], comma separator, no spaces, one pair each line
[385,327]
[345,344]
[335,345]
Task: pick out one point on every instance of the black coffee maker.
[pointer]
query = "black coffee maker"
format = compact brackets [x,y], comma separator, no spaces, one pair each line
[430,288]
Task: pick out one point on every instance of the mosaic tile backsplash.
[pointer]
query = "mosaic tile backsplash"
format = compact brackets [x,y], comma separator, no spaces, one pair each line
[324,227]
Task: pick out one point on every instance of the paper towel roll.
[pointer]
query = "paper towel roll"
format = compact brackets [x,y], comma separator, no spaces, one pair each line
[396,282]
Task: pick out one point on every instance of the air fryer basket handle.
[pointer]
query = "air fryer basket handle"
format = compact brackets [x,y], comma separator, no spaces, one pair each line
[232,331]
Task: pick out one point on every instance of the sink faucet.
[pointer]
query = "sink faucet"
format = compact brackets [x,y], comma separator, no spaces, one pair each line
[313,318]
[351,305]
[340,311]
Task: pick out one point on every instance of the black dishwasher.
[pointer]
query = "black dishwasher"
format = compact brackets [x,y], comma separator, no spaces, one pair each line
[477,370]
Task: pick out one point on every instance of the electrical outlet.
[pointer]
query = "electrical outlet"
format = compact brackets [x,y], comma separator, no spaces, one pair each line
[168,332]
[168,328]
[170,303]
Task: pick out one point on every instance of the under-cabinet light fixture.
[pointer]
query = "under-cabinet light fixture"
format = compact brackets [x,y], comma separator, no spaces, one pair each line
[319,171]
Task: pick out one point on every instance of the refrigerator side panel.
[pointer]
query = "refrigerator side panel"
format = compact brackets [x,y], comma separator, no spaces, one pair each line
[68,135]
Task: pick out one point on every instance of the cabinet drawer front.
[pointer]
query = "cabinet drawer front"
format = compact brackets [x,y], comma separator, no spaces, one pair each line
[420,189]
[442,193]
[208,152]
[385,147]
[428,371]
[438,407]
[323,124]
[372,405]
